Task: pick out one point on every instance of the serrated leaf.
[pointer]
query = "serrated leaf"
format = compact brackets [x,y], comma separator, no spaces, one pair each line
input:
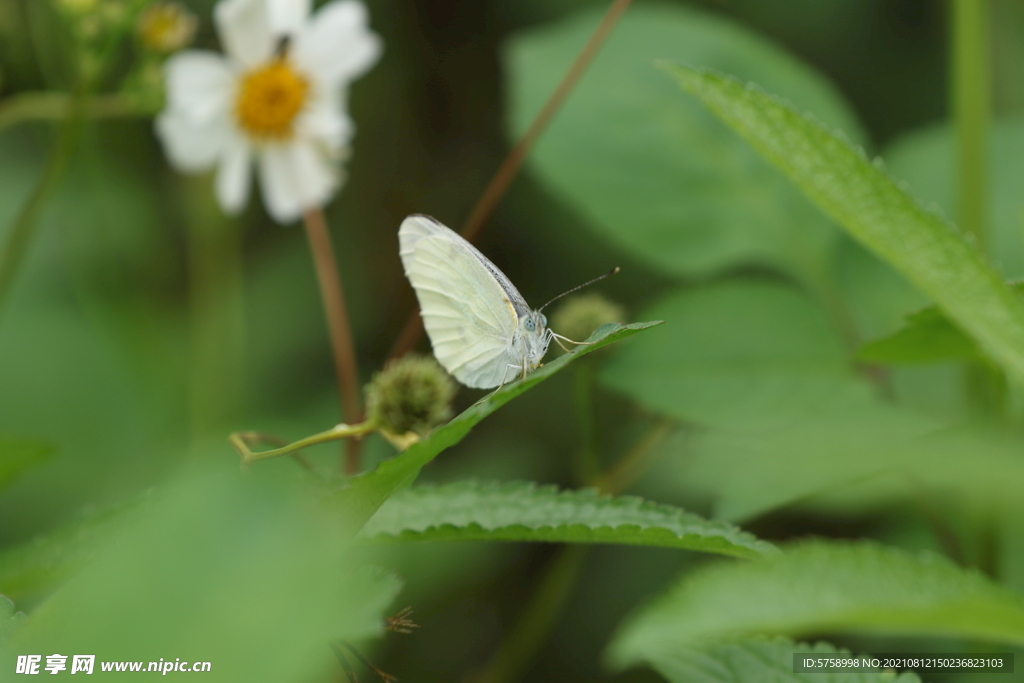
[820,586]
[520,511]
[18,455]
[927,160]
[874,209]
[759,660]
[368,491]
[650,170]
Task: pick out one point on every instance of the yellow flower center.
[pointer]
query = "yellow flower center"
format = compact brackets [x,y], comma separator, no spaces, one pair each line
[269,99]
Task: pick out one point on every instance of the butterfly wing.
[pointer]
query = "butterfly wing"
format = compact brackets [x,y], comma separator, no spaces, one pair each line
[469,308]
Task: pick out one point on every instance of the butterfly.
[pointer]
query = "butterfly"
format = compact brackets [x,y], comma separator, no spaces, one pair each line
[482,330]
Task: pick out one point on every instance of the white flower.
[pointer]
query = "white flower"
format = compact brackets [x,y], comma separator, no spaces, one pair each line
[276,98]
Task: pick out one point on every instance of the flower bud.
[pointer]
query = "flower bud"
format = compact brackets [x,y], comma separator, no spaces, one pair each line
[581,314]
[165,27]
[411,394]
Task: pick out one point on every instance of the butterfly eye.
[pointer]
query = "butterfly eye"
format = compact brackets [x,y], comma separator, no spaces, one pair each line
[529,324]
[543,320]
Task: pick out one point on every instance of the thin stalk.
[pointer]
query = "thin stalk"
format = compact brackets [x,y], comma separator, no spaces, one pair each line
[242,440]
[216,312]
[971,103]
[636,460]
[506,173]
[586,463]
[19,235]
[336,312]
[518,648]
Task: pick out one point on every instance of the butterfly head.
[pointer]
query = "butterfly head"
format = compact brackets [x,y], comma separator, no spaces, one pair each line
[535,322]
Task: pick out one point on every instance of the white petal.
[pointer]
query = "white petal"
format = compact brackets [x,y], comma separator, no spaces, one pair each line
[325,121]
[200,84]
[337,45]
[287,16]
[295,178]
[191,146]
[244,30]
[234,176]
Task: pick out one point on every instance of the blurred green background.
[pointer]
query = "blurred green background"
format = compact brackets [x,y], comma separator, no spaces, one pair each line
[118,362]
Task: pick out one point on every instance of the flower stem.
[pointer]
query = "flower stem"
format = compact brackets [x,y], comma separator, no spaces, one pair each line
[632,464]
[586,463]
[242,440]
[338,326]
[19,235]
[506,173]
[216,312]
[553,590]
[971,105]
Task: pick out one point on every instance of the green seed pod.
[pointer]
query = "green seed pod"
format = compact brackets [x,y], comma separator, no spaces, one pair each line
[580,315]
[411,394]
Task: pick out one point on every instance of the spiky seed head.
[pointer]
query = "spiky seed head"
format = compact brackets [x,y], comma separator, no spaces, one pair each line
[411,394]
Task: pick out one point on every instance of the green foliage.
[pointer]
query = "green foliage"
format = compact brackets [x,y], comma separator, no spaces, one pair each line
[18,455]
[874,209]
[825,586]
[758,660]
[367,492]
[9,619]
[30,568]
[242,572]
[926,160]
[927,337]
[472,511]
[651,171]
[741,352]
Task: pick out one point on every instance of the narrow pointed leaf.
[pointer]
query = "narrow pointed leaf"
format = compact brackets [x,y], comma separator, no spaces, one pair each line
[367,492]
[519,511]
[873,208]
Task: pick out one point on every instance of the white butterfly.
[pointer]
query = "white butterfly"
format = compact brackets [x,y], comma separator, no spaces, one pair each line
[482,330]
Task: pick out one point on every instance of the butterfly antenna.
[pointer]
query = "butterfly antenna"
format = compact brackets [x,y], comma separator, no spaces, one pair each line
[613,271]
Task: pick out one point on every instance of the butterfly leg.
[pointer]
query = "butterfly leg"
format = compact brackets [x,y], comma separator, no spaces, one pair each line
[504,378]
[558,336]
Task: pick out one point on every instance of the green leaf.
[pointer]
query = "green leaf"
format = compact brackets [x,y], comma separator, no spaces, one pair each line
[40,564]
[519,511]
[648,168]
[368,492]
[759,660]
[240,571]
[741,352]
[825,587]
[874,209]
[9,619]
[18,455]
[927,337]
[926,160]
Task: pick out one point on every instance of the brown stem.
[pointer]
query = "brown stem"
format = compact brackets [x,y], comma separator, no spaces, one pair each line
[338,326]
[503,177]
